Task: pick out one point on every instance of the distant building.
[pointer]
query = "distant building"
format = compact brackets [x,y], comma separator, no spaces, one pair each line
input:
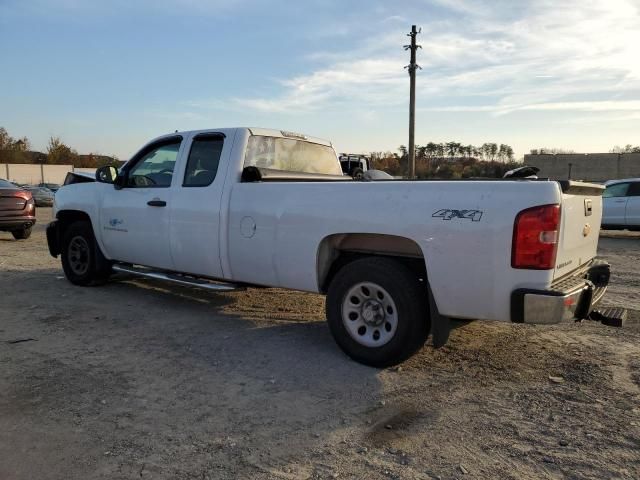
[595,167]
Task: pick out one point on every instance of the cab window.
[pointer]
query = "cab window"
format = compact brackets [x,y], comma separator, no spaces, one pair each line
[616,190]
[204,157]
[155,166]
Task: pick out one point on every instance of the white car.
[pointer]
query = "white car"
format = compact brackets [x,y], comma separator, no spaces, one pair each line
[226,208]
[621,204]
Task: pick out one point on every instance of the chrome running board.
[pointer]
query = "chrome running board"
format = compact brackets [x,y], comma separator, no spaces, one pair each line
[175,278]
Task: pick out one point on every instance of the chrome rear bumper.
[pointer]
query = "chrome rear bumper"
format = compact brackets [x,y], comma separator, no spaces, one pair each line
[572,298]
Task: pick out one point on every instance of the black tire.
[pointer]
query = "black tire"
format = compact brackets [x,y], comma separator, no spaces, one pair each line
[408,295]
[21,234]
[356,173]
[82,260]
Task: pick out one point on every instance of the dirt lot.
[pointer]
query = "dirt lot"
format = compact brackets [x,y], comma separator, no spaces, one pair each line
[144,380]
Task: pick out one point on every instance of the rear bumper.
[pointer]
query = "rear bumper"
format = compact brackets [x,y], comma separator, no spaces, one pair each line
[572,298]
[16,223]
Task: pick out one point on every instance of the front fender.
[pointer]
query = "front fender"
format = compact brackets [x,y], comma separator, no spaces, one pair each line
[82,200]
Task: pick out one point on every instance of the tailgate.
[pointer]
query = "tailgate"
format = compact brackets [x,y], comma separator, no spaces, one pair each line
[580,225]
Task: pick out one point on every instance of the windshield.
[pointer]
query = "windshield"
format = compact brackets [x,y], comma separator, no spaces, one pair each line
[291,155]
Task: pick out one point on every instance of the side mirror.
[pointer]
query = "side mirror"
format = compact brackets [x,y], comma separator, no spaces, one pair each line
[106,174]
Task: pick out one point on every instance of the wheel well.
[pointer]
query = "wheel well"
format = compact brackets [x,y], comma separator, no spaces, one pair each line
[67,217]
[335,251]
[64,219]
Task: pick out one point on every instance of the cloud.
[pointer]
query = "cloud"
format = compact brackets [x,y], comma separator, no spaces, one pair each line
[373,82]
[542,56]
[395,18]
[588,106]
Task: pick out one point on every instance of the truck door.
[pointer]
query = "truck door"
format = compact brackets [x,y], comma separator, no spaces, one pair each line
[196,207]
[135,219]
[614,204]
[632,213]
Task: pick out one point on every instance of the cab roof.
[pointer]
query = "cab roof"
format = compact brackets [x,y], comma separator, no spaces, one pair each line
[267,132]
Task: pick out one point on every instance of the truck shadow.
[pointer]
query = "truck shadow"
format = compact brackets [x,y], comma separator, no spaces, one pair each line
[144,364]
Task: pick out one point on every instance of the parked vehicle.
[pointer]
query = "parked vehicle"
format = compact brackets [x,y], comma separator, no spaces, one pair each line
[354,165]
[42,196]
[17,210]
[226,208]
[79,177]
[621,204]
[54,187]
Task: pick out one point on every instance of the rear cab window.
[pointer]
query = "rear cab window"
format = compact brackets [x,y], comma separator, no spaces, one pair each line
[291,155]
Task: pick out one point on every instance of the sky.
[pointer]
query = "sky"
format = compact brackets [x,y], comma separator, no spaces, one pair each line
[107,76]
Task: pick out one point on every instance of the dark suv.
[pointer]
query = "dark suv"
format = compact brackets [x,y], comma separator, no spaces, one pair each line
[17,210]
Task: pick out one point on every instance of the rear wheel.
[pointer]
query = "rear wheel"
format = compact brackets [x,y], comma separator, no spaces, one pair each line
[377,311]
[82,260]
[21,234]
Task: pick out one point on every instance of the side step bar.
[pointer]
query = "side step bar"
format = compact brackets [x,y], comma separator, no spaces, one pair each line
[176,278]
[612,317]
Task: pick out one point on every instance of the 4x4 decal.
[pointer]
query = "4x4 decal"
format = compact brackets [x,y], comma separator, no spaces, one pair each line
[448,214]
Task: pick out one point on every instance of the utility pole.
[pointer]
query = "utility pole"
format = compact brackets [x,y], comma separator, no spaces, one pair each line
[412,67]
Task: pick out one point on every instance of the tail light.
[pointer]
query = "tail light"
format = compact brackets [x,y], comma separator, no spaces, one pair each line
[535,238]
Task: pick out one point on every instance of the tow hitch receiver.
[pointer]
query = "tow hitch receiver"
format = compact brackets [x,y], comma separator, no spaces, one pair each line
[612,317]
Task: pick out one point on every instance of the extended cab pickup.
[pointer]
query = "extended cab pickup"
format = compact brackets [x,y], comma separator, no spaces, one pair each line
[227,208]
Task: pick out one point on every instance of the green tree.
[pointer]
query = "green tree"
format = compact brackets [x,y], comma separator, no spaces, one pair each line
[14,150]
[58,153]
[453,148]
[505,153]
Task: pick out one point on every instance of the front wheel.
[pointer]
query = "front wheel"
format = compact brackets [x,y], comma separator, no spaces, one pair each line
[377,311]
[82,260]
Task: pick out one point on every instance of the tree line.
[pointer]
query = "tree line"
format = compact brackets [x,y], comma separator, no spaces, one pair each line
[18,150]
[626,149]
[449,160]
[617,149]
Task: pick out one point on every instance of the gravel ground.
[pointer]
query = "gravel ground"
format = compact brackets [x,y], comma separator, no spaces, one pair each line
[137,379]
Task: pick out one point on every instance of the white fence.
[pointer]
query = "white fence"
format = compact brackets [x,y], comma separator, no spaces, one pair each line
[31,174]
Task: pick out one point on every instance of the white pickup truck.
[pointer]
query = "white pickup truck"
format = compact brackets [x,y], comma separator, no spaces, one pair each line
[228,208]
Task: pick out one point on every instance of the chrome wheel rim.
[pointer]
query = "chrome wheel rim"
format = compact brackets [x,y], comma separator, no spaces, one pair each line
[79,254]
[369,314]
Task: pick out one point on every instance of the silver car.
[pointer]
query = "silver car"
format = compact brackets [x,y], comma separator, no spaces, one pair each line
[42,196]
[621,204]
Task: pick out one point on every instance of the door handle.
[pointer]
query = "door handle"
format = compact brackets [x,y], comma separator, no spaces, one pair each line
[157,203]
[621,201]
